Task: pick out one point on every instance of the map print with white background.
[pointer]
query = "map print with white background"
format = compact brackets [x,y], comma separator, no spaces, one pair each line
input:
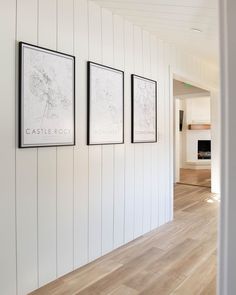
[106,105]
[144,109]
[48,92]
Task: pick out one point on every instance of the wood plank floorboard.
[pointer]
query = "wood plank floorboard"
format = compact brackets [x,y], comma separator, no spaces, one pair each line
[201,177]
[179,258]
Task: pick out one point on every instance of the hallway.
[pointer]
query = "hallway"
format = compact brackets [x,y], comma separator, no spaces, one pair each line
[178,257]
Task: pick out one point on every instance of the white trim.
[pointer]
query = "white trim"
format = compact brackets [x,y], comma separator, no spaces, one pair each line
[223,239]
[175,74]
[172,165]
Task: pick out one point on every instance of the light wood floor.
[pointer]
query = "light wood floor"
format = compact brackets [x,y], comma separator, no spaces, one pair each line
[201,177]
[179,258]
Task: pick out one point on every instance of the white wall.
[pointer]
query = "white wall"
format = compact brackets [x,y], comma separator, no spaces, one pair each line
[63,207]
[180,138]
[198,110]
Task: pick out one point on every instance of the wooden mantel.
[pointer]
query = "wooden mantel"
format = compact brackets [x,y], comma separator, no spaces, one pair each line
[199,126]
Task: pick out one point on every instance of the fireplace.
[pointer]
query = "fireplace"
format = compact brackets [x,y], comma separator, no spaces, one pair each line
[204,149]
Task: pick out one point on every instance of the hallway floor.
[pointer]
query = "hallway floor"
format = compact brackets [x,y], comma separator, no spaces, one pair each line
[179,258]
[201,177]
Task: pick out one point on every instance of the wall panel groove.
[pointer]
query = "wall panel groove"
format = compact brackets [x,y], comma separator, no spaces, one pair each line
[107,150]
[47,165]
[95,177]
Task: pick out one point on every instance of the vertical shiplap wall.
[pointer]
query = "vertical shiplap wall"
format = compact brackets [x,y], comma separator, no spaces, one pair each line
[47,165]
[27,175]
[107,151]
[81,161]
[63,207]
[7,149]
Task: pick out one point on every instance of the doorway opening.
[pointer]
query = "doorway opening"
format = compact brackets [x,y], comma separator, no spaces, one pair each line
[192,134]
[194,176]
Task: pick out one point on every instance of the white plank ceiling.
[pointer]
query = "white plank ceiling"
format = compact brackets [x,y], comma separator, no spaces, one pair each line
[175,21]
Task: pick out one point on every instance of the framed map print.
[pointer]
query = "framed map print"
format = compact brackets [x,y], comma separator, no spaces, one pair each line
[47,97]
[105,105]
[144,109]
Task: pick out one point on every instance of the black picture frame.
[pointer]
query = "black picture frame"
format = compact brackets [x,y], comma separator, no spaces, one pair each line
[21,114]
[133,138]
[90,64]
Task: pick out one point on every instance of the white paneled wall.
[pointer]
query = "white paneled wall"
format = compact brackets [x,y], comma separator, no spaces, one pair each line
[63,207]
